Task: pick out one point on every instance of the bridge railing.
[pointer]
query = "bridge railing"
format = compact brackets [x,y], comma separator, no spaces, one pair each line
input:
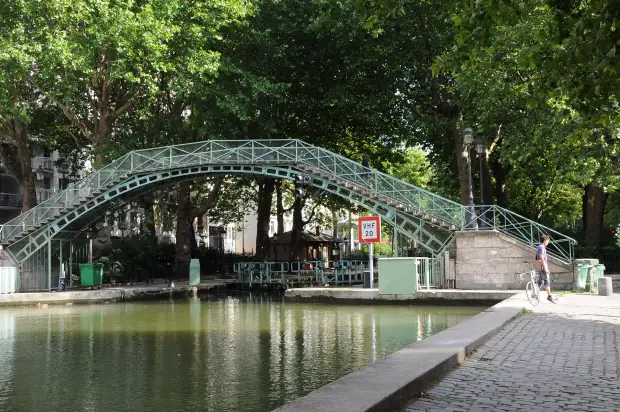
[280,152]
[298,152]
[527,231]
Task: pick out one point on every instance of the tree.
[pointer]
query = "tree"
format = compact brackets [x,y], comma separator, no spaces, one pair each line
[97,60]
[18,100]
[415,168]
[316,74]
[558,85]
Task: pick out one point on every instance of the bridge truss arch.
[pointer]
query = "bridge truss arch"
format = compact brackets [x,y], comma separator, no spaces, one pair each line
[429,219]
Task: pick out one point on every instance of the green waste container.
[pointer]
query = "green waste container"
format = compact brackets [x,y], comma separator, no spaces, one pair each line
[600,272]
[194,272]
[91,274]
[582,275]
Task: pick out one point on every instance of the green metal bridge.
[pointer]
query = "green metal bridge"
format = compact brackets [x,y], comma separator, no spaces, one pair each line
[34,239]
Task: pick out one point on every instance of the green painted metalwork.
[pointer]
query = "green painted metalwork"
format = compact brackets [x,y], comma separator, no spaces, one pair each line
[346,272]
[416,213]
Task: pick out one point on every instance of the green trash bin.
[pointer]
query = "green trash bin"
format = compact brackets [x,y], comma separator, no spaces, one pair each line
[582,275]
[600,272]
[194,272]
[91,274]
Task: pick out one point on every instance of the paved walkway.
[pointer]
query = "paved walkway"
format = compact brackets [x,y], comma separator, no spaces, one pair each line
[561,357]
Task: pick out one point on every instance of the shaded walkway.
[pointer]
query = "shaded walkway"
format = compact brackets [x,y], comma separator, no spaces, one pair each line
[561,357]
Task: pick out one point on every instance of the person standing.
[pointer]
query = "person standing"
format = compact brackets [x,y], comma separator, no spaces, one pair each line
[366,167]
[541,257]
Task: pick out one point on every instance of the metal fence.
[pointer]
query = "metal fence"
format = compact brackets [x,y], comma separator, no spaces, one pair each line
[45,194]
[522,229]
[39,273]
[430,272]
[341,272]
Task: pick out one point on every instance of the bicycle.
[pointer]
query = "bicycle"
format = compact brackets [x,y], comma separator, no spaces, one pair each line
[532,290]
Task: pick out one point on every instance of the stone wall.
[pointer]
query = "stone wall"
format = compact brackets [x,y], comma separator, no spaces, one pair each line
[490,260]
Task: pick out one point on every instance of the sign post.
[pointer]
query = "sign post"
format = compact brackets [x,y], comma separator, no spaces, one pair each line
[369,231]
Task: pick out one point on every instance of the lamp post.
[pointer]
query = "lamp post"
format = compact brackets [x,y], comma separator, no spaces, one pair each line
[40,173]
[344,241]
[468,139]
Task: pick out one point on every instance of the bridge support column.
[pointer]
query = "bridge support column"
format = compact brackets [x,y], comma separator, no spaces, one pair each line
[395,242]
[49,264]
[490,260]
[71,263]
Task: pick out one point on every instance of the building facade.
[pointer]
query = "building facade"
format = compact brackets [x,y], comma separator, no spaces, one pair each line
[49,179]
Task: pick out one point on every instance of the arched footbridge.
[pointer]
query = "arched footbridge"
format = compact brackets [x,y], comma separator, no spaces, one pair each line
[427,218]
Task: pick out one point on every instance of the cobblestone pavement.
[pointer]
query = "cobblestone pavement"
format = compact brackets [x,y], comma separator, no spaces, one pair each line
[560,357]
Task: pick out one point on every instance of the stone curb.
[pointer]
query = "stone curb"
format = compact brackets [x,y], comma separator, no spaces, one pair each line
[358,296]
[388,384]
[103,295]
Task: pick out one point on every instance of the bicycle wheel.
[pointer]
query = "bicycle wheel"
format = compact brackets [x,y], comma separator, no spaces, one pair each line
[533,293]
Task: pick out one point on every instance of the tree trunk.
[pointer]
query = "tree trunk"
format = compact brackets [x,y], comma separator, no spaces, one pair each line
[298,224]
[266,187]
[279,206]
[500,174]
[487,190]
[102,136]
[30,193]
[25,155]
[334,222]
[593,213]
[193,244]
[461,162]
[17,161]
[147,203]
[148,223]
[183,233]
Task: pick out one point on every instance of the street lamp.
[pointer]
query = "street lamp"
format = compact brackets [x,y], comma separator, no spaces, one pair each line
[468,136]
[40,173]
[468,139]
[344,241]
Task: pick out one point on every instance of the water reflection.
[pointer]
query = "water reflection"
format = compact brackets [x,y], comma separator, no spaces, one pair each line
[250,353]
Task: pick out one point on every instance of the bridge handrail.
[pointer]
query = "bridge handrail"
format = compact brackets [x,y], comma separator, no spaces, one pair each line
[493,217]
[248,152]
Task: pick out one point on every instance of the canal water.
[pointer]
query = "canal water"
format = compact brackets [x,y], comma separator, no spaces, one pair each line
[245,353]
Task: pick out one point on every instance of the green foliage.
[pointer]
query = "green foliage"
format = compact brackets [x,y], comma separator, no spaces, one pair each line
[98,61]
[134,258]
[414,169]
[538,80]
[140,258]
[379,250]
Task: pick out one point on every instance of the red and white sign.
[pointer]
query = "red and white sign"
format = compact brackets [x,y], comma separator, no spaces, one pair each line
[369,229]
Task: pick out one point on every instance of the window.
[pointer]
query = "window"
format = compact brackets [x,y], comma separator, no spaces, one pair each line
[63,183]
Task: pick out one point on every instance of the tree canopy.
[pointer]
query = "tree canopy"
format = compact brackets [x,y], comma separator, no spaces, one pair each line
[393,80]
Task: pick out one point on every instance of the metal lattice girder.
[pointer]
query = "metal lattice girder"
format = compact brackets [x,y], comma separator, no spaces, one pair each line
[418,204]
[431,237]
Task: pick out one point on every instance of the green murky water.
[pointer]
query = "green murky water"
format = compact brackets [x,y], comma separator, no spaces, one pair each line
[247,353]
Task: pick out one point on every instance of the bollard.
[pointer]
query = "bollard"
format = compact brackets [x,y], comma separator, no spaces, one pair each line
[605,287]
